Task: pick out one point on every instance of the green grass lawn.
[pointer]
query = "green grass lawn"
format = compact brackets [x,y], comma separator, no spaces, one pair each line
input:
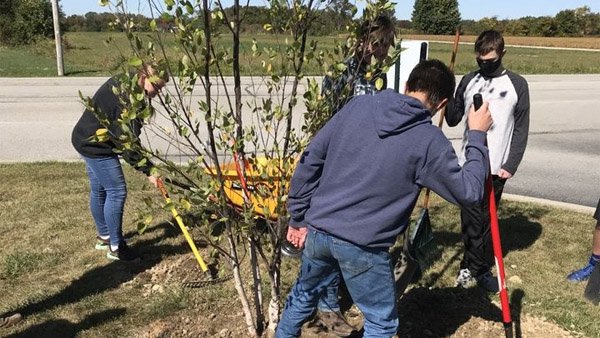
[50,271]
[22,62]
[88,55]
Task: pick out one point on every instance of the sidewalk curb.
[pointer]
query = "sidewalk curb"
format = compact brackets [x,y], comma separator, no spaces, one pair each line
[570,206]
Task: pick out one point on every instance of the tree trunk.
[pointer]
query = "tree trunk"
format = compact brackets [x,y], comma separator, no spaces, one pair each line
[240,288]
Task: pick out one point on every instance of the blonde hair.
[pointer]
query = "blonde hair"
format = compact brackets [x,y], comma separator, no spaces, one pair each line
[148,70]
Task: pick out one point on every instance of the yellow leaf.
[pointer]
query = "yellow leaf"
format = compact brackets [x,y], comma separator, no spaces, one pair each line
[101,132]
[148,219]
[379,83]
[186,204]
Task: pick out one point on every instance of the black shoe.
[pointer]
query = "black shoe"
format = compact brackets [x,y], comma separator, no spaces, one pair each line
[488,282]
[123,253]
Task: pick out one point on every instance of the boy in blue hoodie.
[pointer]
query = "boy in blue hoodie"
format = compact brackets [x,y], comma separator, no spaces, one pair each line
[375,37]
[357,183]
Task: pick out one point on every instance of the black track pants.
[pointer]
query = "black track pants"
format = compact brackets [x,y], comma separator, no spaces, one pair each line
[476,234]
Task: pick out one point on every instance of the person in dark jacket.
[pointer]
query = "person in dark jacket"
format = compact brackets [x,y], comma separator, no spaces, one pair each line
[357,183]
[375,37]
[96,142]
[508,94]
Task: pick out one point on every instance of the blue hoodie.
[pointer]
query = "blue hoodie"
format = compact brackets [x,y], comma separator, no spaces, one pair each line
[360,176]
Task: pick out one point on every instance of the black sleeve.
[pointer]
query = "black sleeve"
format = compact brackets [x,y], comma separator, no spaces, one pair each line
[455,109]
[337,91]
[518,142]
[133,156]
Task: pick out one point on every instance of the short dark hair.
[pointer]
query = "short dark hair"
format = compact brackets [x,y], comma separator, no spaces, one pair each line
[434,78]
[490,40]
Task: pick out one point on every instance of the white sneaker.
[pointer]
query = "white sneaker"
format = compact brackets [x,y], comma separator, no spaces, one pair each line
[465,280]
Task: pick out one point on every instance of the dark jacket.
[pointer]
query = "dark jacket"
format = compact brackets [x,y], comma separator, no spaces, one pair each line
[360,177]
[106,102]
[349,83]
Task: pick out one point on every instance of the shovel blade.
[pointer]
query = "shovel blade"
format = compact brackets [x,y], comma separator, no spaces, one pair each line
[592,289]
[416,246]
[404,272]
[422,243]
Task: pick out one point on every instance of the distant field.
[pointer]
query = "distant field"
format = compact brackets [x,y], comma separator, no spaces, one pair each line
[88,55]
[587,42]
[524,60]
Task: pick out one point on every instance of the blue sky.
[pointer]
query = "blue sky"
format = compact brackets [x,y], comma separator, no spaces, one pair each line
[469,9]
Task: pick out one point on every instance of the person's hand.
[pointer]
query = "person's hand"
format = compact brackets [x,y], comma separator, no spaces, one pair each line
[481,119]
[153,180]
[504,174]
[297,236]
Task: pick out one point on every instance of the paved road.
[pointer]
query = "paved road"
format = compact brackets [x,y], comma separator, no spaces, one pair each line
[562,162]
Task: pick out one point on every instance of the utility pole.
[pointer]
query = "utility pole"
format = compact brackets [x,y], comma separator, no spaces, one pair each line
[57,39]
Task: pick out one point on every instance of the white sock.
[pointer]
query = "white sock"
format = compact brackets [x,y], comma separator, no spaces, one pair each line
[114,247]
[104,237]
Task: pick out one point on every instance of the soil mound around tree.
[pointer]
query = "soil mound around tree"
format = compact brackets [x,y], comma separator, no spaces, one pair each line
[424,312]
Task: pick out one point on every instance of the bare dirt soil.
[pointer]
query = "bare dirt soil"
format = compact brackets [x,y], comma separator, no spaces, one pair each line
[424,312]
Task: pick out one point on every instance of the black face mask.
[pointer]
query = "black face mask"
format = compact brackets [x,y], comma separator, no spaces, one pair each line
[488,67]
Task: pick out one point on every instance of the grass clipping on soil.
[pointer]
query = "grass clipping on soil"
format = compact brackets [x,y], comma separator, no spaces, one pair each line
[50,272]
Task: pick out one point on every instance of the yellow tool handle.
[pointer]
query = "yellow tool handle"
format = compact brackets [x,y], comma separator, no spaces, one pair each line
[186,234]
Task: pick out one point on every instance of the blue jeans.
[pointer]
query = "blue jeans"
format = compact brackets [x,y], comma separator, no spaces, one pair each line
[368,276]
[108,192]
[329,299]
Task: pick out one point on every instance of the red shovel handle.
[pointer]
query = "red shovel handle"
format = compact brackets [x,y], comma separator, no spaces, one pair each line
[496,243]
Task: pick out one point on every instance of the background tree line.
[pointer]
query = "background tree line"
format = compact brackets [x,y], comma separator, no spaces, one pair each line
[441,18]
[25,21]
[569,22]
[333,19]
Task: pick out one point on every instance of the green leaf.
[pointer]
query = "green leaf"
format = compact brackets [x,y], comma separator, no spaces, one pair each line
[340,67]
[103,3]
[185,61]
[135,61]
[154,171]
[141,227]
[153,25]
[187,206]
